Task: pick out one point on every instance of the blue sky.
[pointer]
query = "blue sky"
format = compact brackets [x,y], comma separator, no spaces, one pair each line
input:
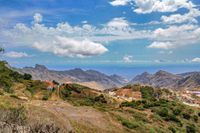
[60,33]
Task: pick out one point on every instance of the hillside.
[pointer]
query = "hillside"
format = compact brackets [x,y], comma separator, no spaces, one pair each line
[88,77]
[32,106]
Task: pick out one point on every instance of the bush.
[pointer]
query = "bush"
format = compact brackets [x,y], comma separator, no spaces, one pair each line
[173,118]
[172,129]
[27,76]
[128,123]
[195,118]
[177,111]
[66,93]
[100,99]
[14,96]
[163,112]
[45,97]
[191,128]
[8,89]
[147,92]
[186,116]
[55,82]
[199,114]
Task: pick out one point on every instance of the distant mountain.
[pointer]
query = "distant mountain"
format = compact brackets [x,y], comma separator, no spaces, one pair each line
[168,80]
[90,78]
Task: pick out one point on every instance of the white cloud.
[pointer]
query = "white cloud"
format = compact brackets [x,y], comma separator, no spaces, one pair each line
[14,54]
[161,45]
[116,29]
[37,18]
[128,59]
[84,22]
[63,46]
[118,23]
[166,52]
[175,36]
[148,6]
[197,59]
[178,18]
[120,2]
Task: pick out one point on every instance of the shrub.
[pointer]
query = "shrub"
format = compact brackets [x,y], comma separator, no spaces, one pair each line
[100,99]
[173,118]
[199,114]
[45,97]
[14,96]
[66,93]
[27,76]
[172,129]
[163,112]
[55,82]
[191,128]
[8,89]
[177,111]
[127,123]
[195,118]
[186,116]
[147,92]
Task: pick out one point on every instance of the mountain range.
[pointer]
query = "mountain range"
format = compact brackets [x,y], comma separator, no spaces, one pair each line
[101,81]
[165,79]
[90,78]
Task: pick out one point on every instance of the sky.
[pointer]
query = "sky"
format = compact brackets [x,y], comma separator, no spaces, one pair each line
[87,33]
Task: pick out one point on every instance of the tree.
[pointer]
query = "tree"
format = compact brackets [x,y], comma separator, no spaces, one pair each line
[1,50]
[27,76]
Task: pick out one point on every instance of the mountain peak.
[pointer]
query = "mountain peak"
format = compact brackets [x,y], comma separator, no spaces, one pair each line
[161,72]
[40,67]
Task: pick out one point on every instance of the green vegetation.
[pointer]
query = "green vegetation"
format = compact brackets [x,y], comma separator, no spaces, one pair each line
[83,96]
[8,77]
[34,86]
[172,111]
[128,123]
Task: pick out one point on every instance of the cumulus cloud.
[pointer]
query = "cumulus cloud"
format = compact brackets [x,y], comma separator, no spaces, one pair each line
[178,18]
[120,2]
[197,59]
[72,48]
[175,36]
[161,45]
[116,29]
[37,18]
[128,59]
[14,54]
[148,6]
[118,23]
